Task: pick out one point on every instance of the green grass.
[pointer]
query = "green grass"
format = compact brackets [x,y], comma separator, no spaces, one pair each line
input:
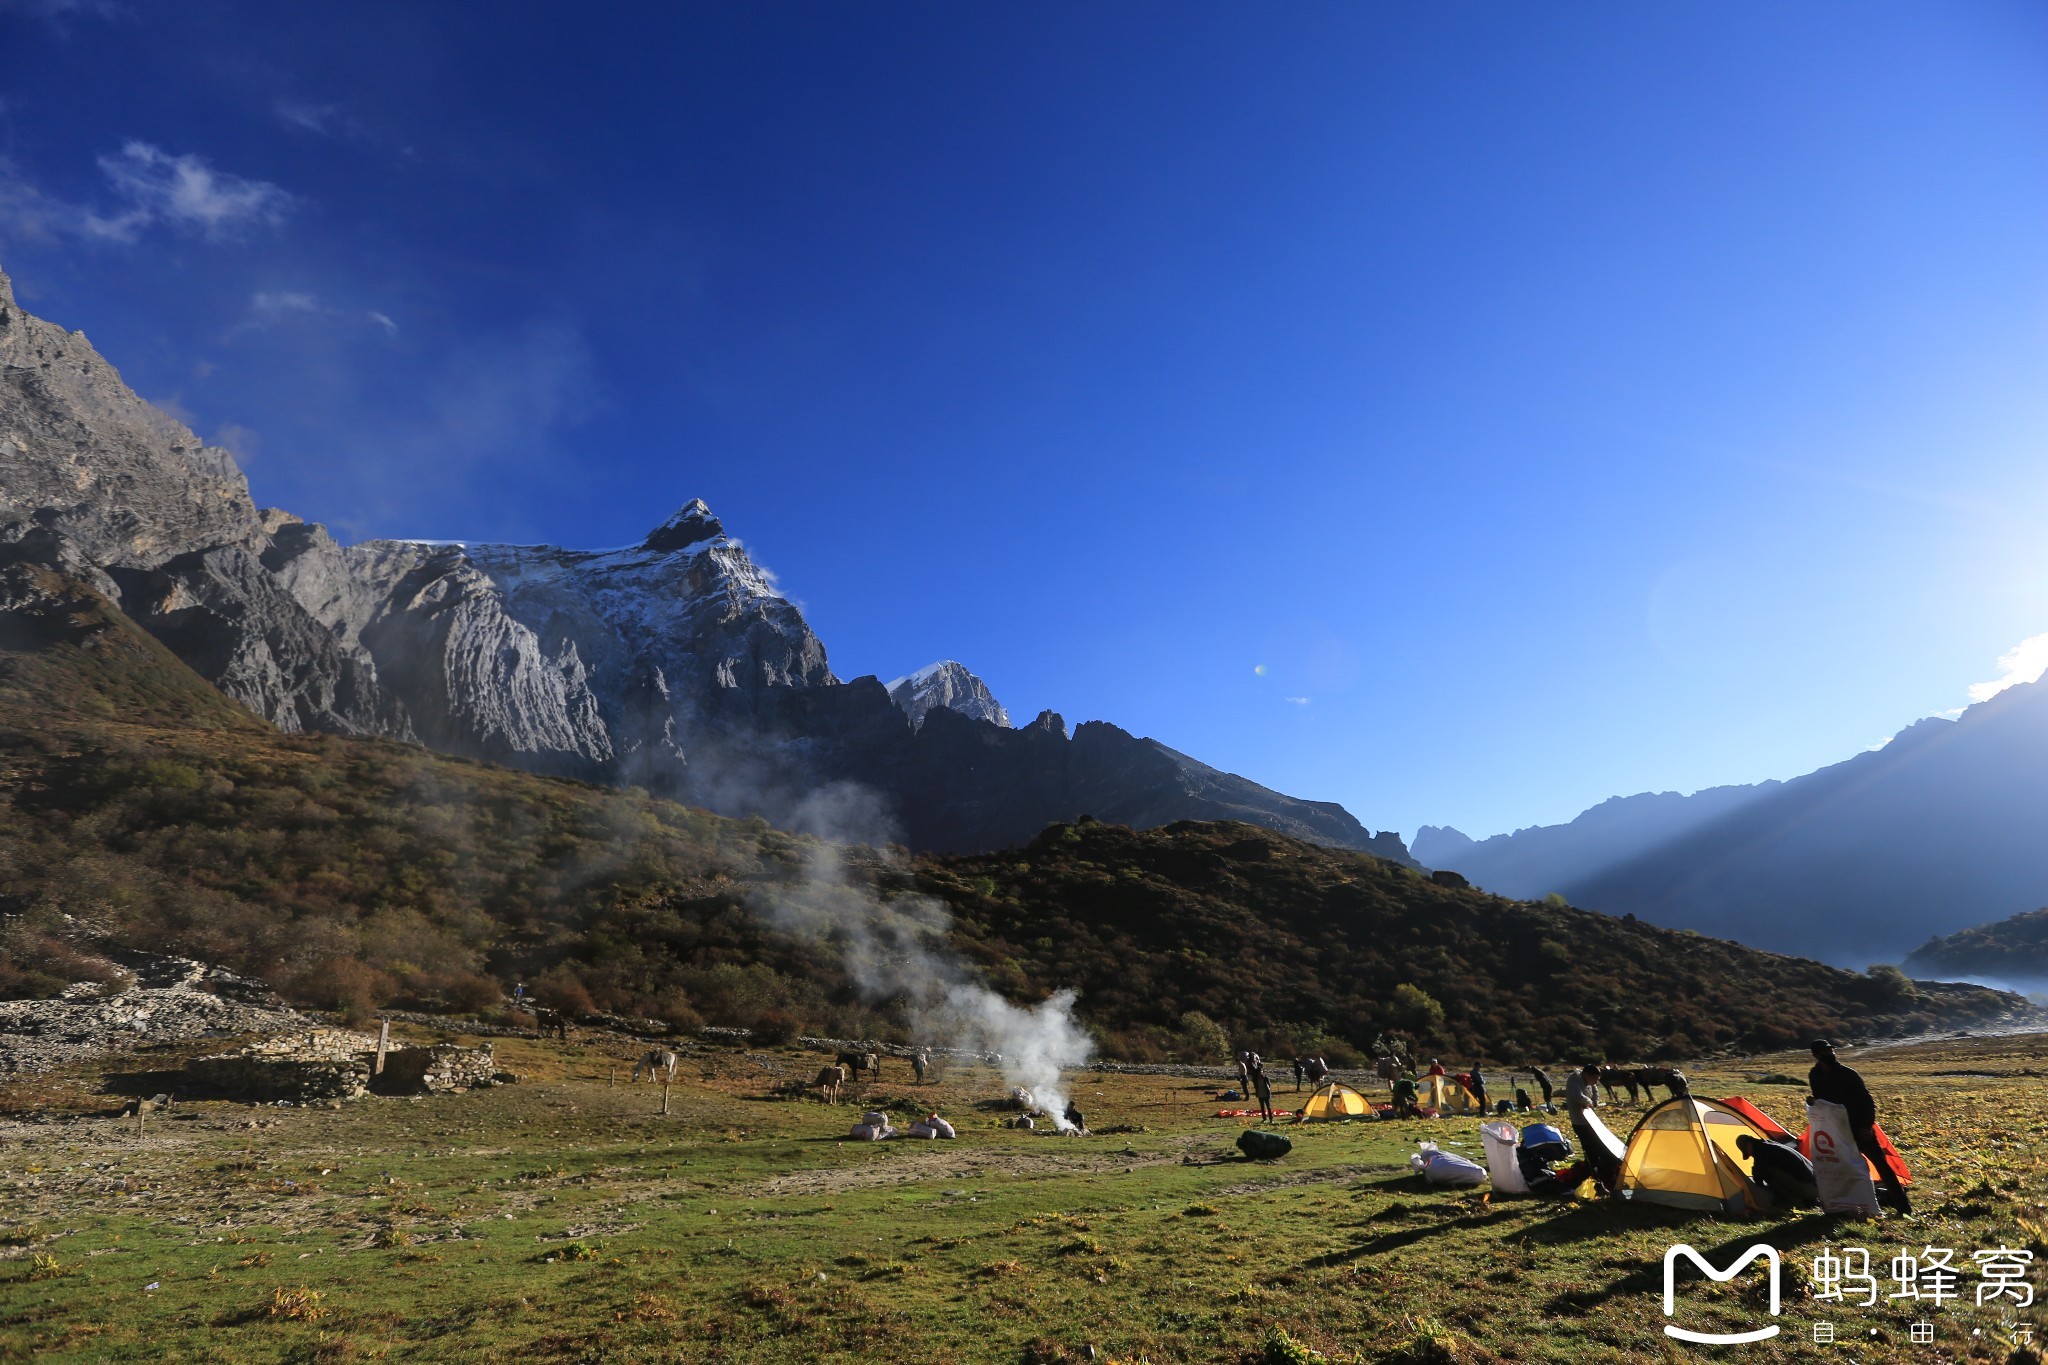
[565,1219]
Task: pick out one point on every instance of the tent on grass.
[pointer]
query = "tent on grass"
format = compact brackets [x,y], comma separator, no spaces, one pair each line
[1334,1101]
[1683,1154]
[1446,1096]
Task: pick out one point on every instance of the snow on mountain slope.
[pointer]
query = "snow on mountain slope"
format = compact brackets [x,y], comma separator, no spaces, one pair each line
[950,685]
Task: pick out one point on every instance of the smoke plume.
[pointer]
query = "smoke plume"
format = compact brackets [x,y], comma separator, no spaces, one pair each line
[896,947]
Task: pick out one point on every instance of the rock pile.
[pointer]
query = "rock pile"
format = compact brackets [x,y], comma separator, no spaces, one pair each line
[172,999]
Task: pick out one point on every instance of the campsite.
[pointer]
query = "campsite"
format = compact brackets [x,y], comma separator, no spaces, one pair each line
[565,1218]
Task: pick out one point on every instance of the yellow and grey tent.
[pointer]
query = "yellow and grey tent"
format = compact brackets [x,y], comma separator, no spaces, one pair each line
[1334,1101]
[1683,1153]
[1446,1096]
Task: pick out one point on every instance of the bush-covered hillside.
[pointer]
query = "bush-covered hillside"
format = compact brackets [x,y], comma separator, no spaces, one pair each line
[1269,937]
[2013,949]
[141,808]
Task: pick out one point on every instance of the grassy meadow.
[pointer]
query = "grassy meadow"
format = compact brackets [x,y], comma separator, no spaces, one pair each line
[567,1219]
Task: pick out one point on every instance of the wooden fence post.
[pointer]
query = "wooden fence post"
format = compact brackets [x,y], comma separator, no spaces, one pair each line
[383,1043]
[664,1097]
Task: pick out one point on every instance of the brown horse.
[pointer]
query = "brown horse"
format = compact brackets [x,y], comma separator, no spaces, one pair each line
[861,1065]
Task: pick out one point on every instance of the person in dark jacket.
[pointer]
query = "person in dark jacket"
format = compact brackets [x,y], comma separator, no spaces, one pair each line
[1581,1100]
[1831,1080]
[1404,1099]
[1476,1083]
[1542,1079]
[1074,1116]
[1781,1169]
[1262,1090]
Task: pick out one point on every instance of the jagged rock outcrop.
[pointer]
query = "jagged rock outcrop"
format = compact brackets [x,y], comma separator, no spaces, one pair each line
[950,685]
[673,664]
[107,489]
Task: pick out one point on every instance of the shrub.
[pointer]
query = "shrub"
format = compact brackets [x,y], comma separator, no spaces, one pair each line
[777,1028]
[559,987]
[1416,1010]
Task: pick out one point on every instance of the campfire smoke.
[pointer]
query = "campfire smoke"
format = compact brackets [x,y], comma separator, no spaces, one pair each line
[896,947]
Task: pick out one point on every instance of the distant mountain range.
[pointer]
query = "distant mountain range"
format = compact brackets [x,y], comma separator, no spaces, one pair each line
[141,808]
[672,664]
[1856,863]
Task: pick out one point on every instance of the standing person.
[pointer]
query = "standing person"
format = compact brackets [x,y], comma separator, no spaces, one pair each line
[1581,1099]
[1244,1074]
[1831,1080]
[1299,1072]
[919,1061]
[1477,1085]
[1542,1078]
[1264,1090]
[1436,1068]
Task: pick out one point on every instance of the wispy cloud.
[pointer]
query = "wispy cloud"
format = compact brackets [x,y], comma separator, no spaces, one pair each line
[322,120]
[273,307]
[271,304]
[2023,663]
[1299,701]
[183,192]
[150,188]
[59,13]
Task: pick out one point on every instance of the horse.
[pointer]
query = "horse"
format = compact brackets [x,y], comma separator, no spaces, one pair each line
[546,1021]
[656,1060]
[1389,1070]
[829,1081]
[861,1065]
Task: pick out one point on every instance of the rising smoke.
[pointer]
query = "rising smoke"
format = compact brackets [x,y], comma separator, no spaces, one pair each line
[897,948]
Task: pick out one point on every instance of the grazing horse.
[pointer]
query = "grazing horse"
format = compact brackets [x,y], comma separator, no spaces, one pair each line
[1650,1077]
[861,1065]
[829,1081]
[1389,1070]
[659,1064]
[548,1021]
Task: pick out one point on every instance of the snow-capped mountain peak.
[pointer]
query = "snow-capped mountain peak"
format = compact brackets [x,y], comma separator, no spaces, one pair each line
[950,685]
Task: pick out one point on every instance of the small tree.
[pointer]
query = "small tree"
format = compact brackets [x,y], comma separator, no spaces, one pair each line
[1203,1037]
[1415,1010]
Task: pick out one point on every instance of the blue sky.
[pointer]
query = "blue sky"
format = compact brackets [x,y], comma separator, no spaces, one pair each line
[1463,412]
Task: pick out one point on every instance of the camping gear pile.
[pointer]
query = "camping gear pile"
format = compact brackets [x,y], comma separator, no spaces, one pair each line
[1686,1153]
[874,1126]
[1260,1145]
[1439,1167]
[1527,1163]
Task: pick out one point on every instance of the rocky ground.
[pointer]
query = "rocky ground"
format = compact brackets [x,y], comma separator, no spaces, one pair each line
[171,1000]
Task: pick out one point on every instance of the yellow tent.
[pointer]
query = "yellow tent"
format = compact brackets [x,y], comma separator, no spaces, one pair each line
[1683,1153]
[1334,1101]
[1446,1096]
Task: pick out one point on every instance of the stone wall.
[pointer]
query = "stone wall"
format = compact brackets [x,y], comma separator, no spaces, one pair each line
[332,1064]
[436,1070]
[255,1076]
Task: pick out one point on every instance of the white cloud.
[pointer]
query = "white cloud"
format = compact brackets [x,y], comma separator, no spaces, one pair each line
[269,304]
[2023,663]
[383,321]
[1299,701]
[151,187]
[183,192]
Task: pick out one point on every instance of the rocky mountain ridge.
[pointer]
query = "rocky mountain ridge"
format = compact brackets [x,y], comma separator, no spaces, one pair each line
[673,664]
